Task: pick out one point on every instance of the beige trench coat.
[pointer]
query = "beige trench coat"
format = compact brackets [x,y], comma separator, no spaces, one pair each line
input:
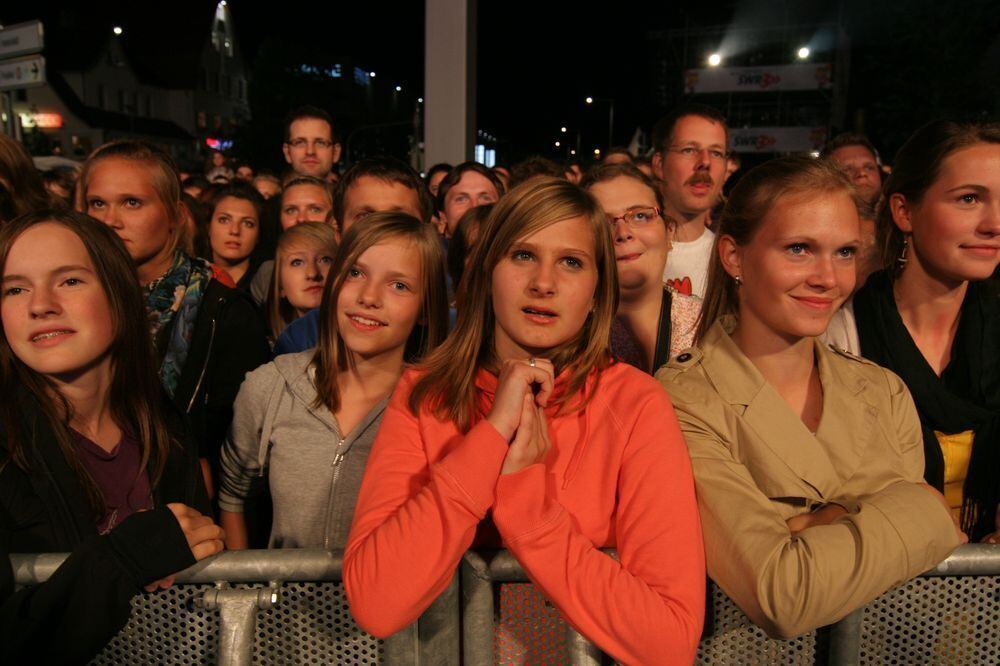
[756,465]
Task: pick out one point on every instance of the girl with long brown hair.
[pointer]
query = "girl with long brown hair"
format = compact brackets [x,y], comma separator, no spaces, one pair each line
[307,420]
[94,460]
[524,413]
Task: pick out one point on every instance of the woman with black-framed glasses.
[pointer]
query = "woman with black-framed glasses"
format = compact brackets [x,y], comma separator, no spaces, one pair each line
[654,322]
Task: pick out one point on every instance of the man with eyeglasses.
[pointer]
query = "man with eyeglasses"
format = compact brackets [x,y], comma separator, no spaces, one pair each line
[311,144]
[690,165]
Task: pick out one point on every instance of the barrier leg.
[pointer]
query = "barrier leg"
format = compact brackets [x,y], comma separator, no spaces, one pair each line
[581,651]
[477,612]
[845,640]
[238,620]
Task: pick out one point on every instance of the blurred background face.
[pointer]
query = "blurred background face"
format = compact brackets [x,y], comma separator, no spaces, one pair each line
[304,203]
[368,195]
[472,189]
[859,163]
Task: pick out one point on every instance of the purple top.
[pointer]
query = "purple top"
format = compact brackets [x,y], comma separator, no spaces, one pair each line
[123,484]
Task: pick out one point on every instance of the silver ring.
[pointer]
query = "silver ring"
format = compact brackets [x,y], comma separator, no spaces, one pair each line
[531,362]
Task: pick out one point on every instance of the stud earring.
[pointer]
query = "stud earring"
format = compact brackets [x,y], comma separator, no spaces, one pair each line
[739,281]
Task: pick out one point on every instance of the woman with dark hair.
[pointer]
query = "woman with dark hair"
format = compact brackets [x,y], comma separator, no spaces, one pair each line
[305,414]
[933,316]
[208,335]
[524,413]
[21,188]
[94,460]
[807,460]
[654,322]
[234,231]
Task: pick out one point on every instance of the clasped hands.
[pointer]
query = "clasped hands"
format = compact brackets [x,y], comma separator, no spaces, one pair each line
[518,411]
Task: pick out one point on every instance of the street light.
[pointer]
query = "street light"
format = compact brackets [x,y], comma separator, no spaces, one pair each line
[558,144]
[117,30]
[371,74]
[589,100]
[562,129]
[399,88]
[611,116]
[804,53]
[597,152]
[572,152]
[420,100]
[714,60]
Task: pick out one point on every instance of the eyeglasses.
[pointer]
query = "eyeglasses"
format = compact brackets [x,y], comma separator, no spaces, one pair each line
[301,143]
[635,218]
[695,152]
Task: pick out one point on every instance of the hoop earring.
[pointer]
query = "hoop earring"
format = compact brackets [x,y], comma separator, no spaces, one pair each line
[902,253]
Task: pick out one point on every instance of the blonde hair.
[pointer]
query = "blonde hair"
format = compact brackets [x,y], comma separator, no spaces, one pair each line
[163,177]
[280,313]
[448,384]
[331,356]
[756,193]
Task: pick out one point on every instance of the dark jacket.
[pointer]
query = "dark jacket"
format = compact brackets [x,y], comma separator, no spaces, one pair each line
[229,341]
[70,617]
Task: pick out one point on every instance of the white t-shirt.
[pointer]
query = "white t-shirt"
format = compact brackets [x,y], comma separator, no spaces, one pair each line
[687,265]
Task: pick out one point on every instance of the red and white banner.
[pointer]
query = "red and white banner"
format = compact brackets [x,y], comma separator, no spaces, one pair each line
[806,76]
[777,139]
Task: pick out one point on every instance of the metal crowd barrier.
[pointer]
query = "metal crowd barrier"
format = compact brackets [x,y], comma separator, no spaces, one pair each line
[288,606]
[262,607]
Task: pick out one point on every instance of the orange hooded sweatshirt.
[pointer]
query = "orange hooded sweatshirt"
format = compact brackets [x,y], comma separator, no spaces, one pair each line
[617,475]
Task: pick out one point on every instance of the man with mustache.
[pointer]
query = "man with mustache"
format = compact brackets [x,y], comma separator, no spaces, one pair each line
[690,165]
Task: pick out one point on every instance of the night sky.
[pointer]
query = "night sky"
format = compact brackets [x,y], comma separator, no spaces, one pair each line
[912,60]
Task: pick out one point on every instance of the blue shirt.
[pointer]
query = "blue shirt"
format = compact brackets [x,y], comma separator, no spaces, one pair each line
[300,335]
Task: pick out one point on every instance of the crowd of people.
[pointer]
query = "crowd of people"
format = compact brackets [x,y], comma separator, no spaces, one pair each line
[792,388]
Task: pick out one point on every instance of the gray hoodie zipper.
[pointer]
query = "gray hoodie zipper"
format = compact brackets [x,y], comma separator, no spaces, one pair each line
[338,459]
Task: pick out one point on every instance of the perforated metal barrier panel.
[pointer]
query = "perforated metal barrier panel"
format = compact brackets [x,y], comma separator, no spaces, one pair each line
[953,620]
[311,624]
[529,629]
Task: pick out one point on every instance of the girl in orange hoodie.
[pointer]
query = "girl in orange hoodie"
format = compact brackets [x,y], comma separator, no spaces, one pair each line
[523,413]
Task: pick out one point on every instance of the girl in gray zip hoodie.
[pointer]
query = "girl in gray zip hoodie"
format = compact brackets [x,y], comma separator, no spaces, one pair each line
[305,422]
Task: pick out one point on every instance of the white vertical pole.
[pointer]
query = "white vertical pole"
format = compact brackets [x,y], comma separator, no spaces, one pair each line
[449,81]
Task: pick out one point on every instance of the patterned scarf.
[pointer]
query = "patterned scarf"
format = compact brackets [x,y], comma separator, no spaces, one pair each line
[172,305]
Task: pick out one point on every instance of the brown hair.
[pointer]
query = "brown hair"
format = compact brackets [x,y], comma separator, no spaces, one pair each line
[280,313]
[162,174]
[448,383]
[749,202]
[917,166]
[455,175]
[21,180]
[388,169]
[331,356]
[602,173]
[136,398]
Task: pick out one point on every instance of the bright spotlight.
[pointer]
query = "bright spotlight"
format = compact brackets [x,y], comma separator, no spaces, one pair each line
[714,60]
[589,100]
[399,88]
[371,74]
[420,100]
[117,30]
[804,53]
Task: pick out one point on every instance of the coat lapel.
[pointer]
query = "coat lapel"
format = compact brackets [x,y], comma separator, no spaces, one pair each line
[770,418]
